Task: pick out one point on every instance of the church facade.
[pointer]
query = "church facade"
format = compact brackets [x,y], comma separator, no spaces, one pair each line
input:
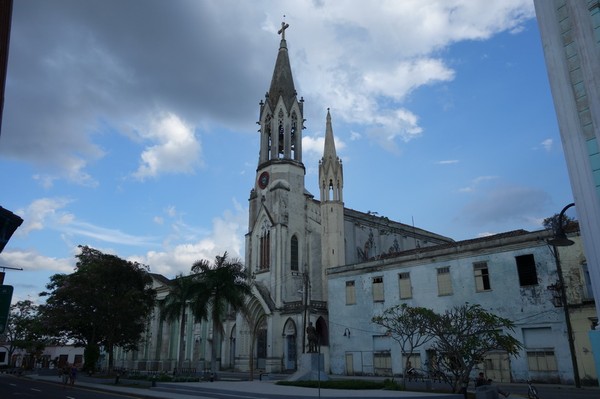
[293,238]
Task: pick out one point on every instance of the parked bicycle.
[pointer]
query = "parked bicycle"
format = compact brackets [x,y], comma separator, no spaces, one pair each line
[531,391]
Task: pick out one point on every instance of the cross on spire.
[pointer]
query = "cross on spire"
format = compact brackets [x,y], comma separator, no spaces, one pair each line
[281,31]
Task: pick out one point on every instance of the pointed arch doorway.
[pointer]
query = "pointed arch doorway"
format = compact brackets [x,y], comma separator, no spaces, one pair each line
[261,343]
[290,351]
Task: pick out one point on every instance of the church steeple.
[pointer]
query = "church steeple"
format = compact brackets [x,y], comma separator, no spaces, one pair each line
[282,83]
[329,152]
[331,175]
[331,183]
[281,114]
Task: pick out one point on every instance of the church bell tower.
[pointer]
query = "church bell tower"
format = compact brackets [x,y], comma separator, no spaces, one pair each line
[331,185]
[283,240]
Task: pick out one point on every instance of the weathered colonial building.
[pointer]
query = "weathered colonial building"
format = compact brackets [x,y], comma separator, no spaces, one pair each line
[513,275]
[315,261]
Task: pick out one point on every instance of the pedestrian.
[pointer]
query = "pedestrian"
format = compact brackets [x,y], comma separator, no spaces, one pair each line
[64,374]
[480,380]
[72,375]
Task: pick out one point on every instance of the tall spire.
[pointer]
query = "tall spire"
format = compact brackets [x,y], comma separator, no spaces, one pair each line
[331,174]
[329,150]
[282,83]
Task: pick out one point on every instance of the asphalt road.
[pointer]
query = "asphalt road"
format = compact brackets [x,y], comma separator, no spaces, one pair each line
[13,387]
[48,387]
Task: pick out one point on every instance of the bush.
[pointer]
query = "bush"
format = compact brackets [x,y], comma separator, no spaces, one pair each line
[344,384]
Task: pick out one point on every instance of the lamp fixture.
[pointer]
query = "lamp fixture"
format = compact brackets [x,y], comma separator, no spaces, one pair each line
[560,237]
[347,332]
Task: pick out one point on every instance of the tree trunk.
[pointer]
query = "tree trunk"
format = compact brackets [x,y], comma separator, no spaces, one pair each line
[109,348]
[213,349]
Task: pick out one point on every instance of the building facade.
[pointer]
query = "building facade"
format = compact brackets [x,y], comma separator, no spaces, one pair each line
[510,275]
[570,32]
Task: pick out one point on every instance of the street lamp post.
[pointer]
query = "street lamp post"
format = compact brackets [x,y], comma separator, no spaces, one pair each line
[560,240]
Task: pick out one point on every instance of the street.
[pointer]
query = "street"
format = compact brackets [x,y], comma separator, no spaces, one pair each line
[86,388]
[22,387]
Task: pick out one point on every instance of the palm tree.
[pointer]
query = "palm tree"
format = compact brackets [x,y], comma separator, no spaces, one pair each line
[184,293]
[225,284]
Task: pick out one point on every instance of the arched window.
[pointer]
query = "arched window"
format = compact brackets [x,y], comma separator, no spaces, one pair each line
[293,136]
[294,253]
[269,137]
[281,132]
[264,260]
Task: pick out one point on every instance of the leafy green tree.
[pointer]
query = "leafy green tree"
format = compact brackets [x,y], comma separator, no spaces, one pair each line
[224,285]
[464,335]
[184,293]
[461,337]
[408,326]
[25,331]
[106,301]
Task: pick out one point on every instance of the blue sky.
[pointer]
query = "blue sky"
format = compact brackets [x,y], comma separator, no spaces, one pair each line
[131,126]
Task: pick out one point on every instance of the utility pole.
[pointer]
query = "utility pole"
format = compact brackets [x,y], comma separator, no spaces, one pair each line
[560,240]
[305,300]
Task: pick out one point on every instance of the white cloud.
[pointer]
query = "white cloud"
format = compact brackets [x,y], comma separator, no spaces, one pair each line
[106,235]
[448,162]
[33,261]
[476,183]
[49,214]
[176,256]
[41,212]
[312,146]
[406,76]
[177,150]
[547,144]
[227,234]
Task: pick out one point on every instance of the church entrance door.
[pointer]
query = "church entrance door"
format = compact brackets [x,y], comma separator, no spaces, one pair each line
[261,346]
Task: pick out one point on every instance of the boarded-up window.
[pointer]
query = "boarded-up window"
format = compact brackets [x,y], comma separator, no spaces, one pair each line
[414,360]
[382,363]
[526,270]
[350,293]
[444,281]
[541,360]
[482,276]
[404,285]
[78,360]
[377,289]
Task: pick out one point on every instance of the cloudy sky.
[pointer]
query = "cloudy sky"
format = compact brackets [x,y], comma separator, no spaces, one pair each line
[130,126]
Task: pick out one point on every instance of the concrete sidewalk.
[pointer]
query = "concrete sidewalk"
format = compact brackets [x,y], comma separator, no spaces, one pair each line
[184,390]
